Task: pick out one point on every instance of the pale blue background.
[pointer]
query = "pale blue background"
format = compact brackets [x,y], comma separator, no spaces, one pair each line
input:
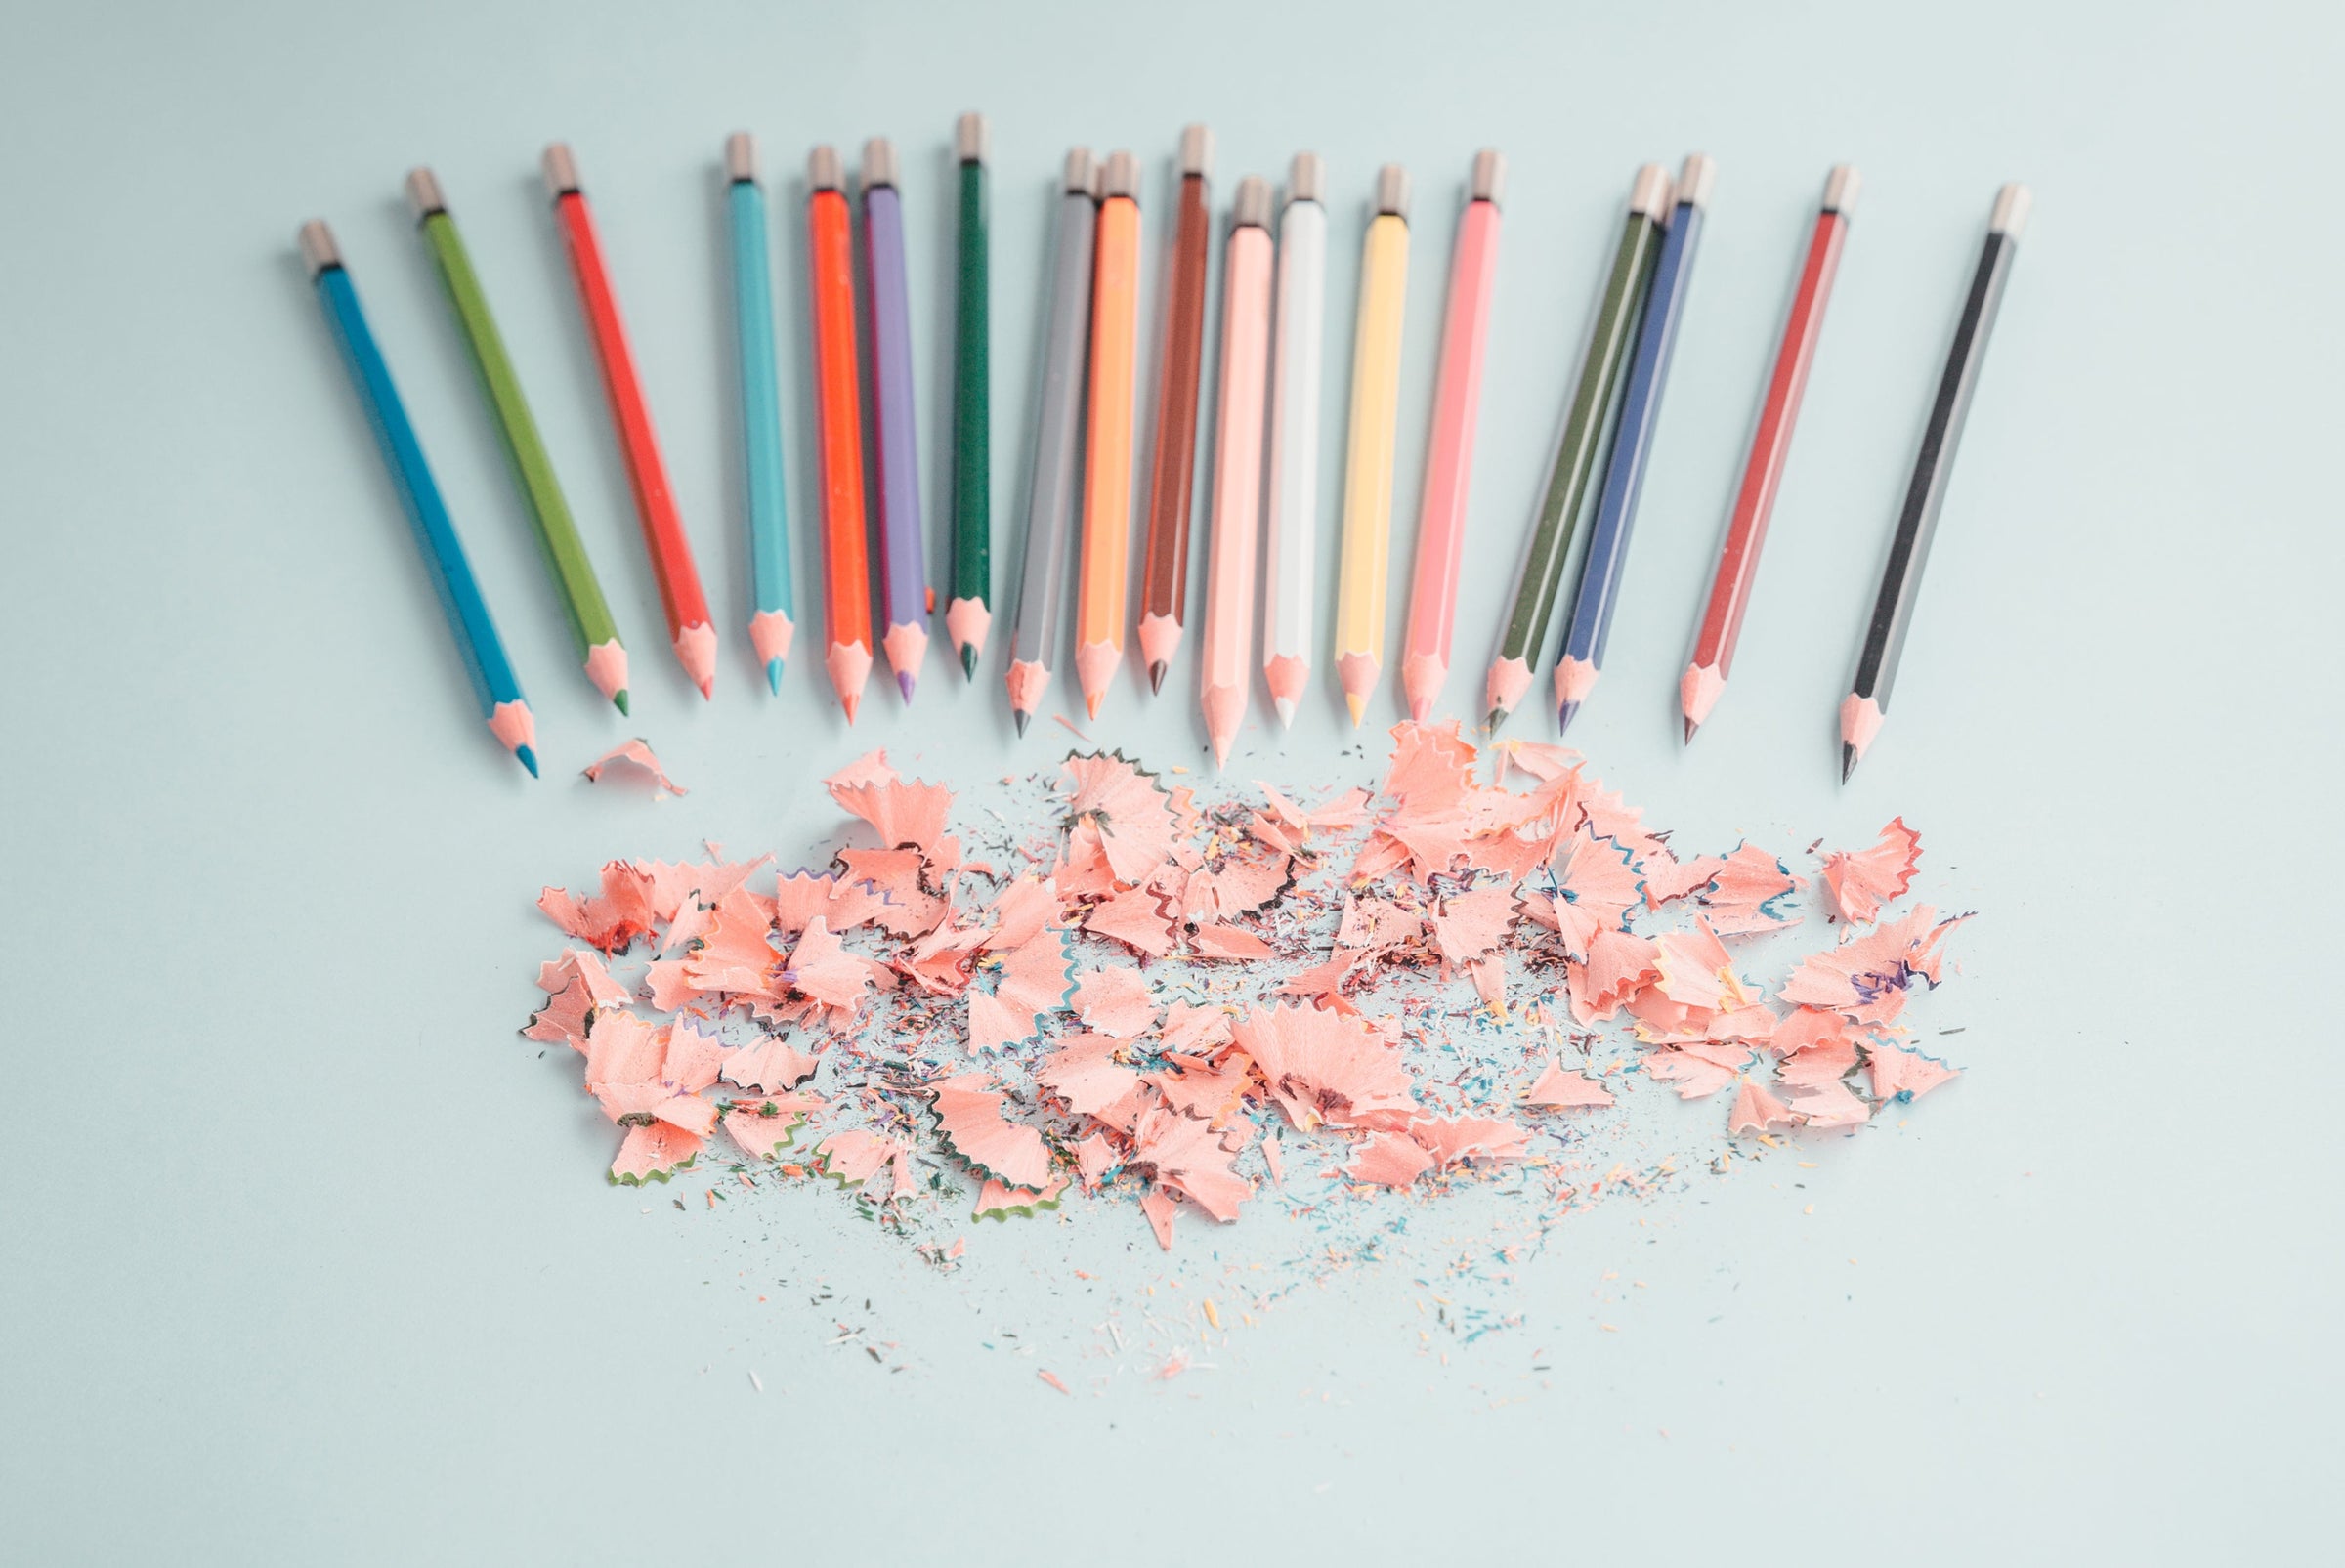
[307,1259]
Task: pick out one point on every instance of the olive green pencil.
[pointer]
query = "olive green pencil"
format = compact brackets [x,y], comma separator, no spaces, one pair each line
[582,603]
[1569,481]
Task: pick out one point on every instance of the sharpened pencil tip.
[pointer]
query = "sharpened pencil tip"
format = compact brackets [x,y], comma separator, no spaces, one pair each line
[1156,677]
[905,682]
[619,701]
[850,702]
[968,660]
[1848,760]
[1692,725]
[1564,715]
[1021,718]
[529,758]
[773,676]
[1358,704]
[1286,710]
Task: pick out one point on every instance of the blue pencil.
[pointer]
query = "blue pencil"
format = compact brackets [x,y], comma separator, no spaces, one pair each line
[771,627]
[492,680]
[1582,655]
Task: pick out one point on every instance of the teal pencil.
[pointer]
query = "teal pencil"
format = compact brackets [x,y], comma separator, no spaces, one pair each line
[770,627]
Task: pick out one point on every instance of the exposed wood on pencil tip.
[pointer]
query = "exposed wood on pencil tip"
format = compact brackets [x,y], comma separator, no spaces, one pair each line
[1306,177]
[879,163]
[1649,196]
[740,156]
[2013,204]
[318,247]
[1392,191]
[824,171]
[424,194]
[1119,177]
[1695,179]
[561,170]
[972,138]
[1840,189]
[1489,176]
[1196,151]
[1251,208]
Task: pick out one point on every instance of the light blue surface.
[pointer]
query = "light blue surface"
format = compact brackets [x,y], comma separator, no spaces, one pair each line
[308,1259]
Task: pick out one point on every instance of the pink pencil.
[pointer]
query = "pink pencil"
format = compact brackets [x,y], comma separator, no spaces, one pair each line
[1238,465]
[1449,464]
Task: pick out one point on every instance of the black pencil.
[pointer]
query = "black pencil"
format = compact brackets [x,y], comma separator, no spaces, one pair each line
[1861,710]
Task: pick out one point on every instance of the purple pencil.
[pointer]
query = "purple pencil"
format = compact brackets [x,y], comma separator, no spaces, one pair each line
[903,574]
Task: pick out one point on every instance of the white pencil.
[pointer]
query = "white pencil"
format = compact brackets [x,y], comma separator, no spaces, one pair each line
[1291,581]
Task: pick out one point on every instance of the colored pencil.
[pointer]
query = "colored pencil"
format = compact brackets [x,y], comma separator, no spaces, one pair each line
[1099,608]
[1581,655]
[493,681]
[1033,633]
[1863,709]
[968,616]
[903,565]
[663,537]
[772,620]
[1291,581]
[1368,454]
[1172,458]
[839,419]
[1713,658]
[1577,446]
[1449,457]
[1238,465]
[592,631]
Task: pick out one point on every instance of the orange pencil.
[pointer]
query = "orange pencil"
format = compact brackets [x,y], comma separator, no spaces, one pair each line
[838,416]
[1103,587]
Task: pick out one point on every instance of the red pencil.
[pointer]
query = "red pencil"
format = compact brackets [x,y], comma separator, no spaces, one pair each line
[680,596]
[838,410]
[1713,659]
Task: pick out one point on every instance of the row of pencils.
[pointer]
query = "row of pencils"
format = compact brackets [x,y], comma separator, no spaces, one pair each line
[1262,494]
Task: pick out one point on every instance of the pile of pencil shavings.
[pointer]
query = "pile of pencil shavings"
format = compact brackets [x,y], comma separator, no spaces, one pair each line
[1174,1005]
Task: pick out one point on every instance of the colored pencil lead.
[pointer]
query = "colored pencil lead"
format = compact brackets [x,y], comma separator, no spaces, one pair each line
[970,616]
[1861,711]
[1541,578]
[592,630]
[772,620]
[1172,458]
[1713,661]
[493,684]
[664,536]
[1580,657]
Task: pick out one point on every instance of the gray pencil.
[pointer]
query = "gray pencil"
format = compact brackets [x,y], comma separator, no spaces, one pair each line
[1035,634]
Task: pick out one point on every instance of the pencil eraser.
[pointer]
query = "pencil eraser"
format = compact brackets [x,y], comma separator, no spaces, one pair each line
[423,193]
[1393,190]
[318,247]
[1081,173]
[561,169]
[1196,151]
[1252,204]
[2012,206]
[822,169]
[972,139]
[1840,189]
[740,156]
[1306,178]
[1649,196]
[1694,181]
[1120,178]
[1489,175]
[879,163]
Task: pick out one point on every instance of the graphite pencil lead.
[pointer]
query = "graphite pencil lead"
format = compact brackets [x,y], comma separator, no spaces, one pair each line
[1156,677]
[1848,760]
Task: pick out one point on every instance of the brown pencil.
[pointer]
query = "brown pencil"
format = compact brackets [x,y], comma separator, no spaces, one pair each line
[1173,466]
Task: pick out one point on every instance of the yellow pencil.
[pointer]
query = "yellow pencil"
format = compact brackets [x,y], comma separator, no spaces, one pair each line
[1368,458]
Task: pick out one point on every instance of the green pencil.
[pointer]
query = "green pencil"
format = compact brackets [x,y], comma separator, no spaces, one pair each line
[1569,482]
[970,616]
[583,604]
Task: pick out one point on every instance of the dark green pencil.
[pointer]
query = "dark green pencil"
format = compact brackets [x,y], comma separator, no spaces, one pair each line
[583,604]
[968,616]
[1571,480]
